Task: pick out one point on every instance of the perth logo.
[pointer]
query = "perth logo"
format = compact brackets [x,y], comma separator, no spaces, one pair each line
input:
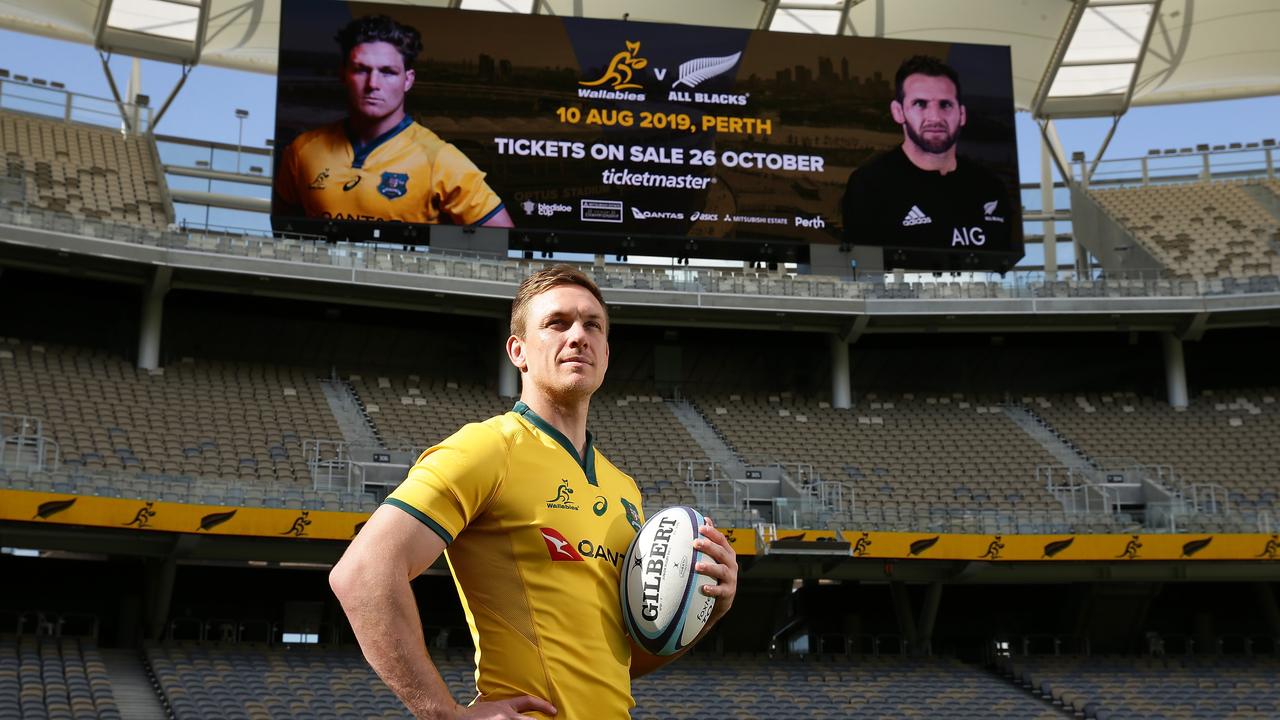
[916,216]
[142,518]
[621,72]
[558,547]
[562,500]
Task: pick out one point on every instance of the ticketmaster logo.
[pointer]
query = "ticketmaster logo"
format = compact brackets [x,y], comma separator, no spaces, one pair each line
[655,214]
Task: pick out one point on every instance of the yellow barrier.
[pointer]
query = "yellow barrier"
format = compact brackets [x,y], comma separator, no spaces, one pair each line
[147,516]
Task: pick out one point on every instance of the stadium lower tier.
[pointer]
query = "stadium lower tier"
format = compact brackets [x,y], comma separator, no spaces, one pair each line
[302,683]
[54,678]
[1170,688]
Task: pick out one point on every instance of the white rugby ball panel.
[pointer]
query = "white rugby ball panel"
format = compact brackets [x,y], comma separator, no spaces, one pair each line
[662,605]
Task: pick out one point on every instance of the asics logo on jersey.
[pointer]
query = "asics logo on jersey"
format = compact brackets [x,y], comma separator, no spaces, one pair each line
[558,547]
[350,185]
[916,216]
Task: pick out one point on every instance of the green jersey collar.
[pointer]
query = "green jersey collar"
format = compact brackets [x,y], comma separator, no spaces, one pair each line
[588,465]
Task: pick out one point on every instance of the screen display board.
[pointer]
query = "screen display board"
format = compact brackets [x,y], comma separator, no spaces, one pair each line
[611,136]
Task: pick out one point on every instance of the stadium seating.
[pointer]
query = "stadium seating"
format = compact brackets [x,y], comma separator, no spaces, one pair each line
[290,683]
[1224,438]
[308,682]
[1170,688]
[1199,230]
[636,432]
[221,421]
[905,457]
[84,170]
[54,678]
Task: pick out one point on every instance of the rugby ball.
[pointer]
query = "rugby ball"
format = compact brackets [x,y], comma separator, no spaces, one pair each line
[662,603]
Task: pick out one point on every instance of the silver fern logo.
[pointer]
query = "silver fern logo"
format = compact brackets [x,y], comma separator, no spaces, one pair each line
[699,70]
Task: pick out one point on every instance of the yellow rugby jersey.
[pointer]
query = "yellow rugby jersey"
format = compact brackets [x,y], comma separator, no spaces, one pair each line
[535,542]
[407,174]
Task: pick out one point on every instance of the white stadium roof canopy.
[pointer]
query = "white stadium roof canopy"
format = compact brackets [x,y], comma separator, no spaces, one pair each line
[1070,57]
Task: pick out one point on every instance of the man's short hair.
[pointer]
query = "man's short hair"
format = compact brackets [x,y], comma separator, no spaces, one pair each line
[380,28]
[544,280]
[924,65]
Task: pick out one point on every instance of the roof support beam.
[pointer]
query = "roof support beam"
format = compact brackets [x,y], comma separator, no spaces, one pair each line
[1055,60]
[766,14]
[1049,136]
[115,90]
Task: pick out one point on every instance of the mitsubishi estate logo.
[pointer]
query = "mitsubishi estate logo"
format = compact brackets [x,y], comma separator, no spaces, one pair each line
[620,75]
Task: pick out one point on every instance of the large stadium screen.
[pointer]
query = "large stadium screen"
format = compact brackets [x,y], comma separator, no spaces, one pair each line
[611,136]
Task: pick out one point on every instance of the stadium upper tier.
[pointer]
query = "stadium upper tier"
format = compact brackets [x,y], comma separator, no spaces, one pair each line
[224,421]
[1203,230]
[1223,441]
[85,171]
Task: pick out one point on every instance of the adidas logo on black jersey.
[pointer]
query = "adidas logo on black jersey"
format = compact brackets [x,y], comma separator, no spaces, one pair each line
[916,217]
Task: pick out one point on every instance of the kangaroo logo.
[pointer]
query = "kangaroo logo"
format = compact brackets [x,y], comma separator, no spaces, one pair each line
[1272,548]
[863,543]
[142,518]
[300,523]
[562,501]
[622,69]
[1131,549]
[993,549]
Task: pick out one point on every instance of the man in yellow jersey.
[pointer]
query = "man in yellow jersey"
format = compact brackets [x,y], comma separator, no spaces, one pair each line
[536,522]
[378,164]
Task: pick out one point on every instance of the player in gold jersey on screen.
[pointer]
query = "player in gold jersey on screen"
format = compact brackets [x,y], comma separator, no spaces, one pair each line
[378,164]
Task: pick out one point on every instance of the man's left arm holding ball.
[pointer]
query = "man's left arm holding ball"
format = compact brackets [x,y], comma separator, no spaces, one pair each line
[720,562]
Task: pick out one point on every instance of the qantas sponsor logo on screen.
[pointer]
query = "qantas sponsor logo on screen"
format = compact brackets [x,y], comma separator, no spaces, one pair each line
[639,214]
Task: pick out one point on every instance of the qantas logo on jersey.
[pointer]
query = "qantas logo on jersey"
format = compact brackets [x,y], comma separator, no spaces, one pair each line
[559,548]
[562,550]
[916,216]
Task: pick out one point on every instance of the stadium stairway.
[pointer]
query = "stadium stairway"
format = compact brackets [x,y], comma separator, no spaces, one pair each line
[349,415]
[1049,438]
[135,695]
[707,437]
[1265,196]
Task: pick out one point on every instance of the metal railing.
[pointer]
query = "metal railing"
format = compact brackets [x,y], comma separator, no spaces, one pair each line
[24,444]
[42,98]
[312,249]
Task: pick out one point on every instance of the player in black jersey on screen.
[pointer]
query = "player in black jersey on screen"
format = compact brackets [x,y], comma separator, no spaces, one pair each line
[922,194]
